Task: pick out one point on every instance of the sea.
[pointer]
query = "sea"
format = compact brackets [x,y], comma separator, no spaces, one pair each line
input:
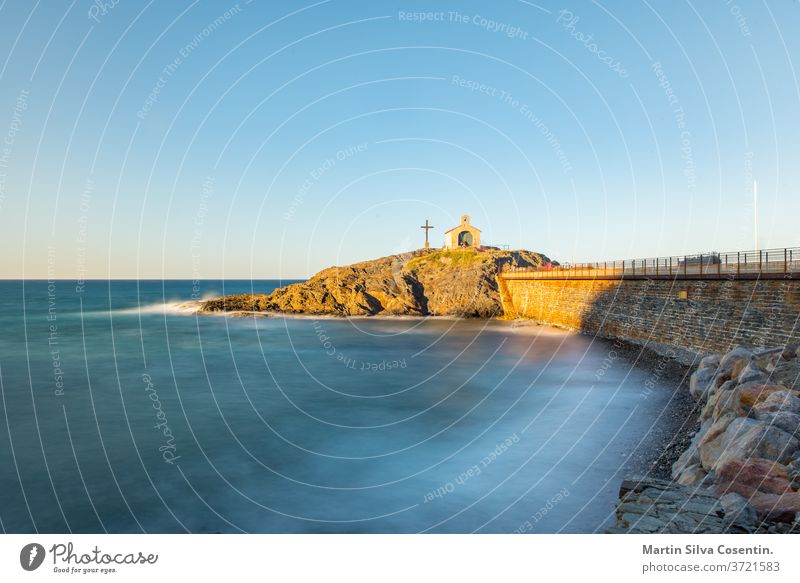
[123,411]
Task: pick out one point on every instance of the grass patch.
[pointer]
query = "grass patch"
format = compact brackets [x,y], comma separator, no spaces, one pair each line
[446,258]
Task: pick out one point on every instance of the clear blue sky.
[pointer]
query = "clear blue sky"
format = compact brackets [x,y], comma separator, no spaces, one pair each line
[272,139]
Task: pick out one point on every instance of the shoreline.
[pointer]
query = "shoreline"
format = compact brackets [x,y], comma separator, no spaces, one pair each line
[677,423]
[737,468]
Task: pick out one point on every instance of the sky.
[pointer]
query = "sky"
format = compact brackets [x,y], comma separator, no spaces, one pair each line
[258,140]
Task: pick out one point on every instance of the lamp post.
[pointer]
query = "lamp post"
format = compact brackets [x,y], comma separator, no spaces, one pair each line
[755,214]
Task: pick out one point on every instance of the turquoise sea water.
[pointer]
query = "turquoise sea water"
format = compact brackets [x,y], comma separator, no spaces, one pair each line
[119,413]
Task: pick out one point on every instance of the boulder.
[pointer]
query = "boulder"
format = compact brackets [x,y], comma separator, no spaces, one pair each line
[776,507]
[688,458]
[692,475]
[744,437]
[740,353]
[778,401]
[768,359]
[719,380]
[710,361]
[787,372]
[726,403]
[753,393]
[734,362]
[700,382]
[739,511]
[712,445]
[794,478]
[714,397]
[746,476]
[752,373]
[784,420]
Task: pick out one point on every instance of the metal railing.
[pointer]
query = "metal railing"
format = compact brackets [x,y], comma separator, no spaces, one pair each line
[773,263]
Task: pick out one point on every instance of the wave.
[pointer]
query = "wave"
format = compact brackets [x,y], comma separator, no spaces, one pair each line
[184,308]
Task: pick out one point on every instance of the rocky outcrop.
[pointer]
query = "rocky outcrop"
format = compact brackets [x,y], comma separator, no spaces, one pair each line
[459,282]
[661,506]
[654,506]
[749,439]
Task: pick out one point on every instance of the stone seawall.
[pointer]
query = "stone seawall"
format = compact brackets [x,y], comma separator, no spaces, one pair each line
[701,316]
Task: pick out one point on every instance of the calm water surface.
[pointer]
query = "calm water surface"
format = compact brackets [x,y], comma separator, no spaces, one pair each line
[119,414]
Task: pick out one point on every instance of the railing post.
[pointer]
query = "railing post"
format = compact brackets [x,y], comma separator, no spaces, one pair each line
[738,263]
[784,260]
[684,265]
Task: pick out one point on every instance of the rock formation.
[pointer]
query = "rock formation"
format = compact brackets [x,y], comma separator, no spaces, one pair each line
[741,471]
[458,282]
[660,506]
[749,440]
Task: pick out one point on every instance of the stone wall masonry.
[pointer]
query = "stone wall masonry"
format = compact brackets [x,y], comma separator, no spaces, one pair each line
[714,315]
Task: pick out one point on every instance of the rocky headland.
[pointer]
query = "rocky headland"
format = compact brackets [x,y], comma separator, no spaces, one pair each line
[427,282]
[741,469]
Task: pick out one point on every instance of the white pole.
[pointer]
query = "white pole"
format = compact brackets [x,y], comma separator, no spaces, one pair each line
[755,212]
